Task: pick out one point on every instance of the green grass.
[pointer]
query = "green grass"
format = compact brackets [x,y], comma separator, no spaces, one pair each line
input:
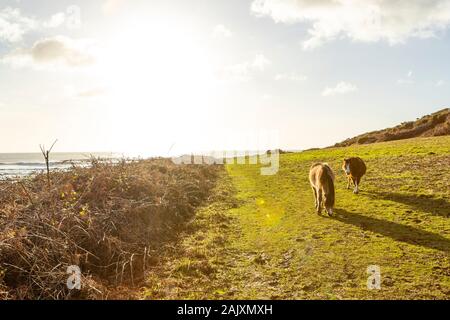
[260,237]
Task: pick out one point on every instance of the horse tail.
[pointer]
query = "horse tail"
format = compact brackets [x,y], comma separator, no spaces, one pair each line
[329,181]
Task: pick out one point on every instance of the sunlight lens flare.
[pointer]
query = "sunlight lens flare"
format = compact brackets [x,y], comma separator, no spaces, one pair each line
[154,71]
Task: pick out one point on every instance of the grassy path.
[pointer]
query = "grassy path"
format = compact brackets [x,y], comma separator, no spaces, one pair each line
[261,239]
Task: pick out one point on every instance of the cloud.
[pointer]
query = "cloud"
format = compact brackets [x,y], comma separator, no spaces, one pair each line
[407,80]
[364,21]
[14,25]
[221,31]
[245,71]
[57,51]
[440,83]
[341,88]
[290,77]
[56,20]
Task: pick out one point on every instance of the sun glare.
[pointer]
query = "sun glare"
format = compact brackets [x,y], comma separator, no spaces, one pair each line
[155,71]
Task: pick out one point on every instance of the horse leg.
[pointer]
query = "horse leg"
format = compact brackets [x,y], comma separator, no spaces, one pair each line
[315,197]
[356,186]
[348,182]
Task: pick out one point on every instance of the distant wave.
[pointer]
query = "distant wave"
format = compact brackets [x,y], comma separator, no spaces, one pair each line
[28,164]
[19,169]
[37,164]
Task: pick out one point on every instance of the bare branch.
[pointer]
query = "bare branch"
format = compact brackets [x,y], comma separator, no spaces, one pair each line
[46,154]
[50,150]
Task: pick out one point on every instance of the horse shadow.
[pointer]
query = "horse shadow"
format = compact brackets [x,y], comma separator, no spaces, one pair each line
[396,231]
[425,203]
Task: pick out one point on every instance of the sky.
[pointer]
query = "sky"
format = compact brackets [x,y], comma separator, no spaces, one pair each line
[167,77]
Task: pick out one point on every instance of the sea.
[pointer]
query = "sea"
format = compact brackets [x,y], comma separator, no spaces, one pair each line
[19,165]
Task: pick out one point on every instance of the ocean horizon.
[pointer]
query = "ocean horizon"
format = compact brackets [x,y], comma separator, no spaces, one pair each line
[17,165]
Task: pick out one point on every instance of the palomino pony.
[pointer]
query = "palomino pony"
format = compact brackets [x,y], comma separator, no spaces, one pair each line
[321,178]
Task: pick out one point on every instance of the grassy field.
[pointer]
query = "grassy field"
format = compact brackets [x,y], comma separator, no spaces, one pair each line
[260,238]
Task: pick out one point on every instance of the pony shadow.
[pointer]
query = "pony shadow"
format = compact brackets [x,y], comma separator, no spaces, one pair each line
[425,203]
[396,231]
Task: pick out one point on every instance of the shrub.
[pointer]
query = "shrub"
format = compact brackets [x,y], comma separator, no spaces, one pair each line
[109,219]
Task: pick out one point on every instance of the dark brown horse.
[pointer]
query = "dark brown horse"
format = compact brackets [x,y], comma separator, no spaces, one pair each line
[354,168]
[321,178]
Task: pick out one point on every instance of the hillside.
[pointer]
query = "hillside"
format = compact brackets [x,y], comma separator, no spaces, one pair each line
[261,239]
[435,124]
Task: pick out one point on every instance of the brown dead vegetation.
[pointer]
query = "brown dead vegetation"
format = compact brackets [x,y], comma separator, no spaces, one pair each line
[436,124]
[111,219]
